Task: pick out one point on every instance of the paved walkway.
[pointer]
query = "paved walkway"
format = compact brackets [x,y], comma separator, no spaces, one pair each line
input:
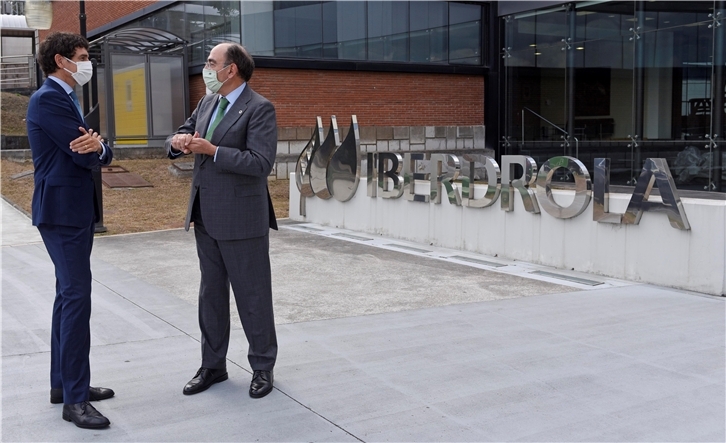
[380,340]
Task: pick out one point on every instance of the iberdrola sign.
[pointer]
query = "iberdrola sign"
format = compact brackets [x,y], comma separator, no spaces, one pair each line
[331,169]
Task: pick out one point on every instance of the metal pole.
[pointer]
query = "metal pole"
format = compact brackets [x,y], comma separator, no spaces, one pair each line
[719,91]
[86,107]
[82,20]
[570,76]
[639,73]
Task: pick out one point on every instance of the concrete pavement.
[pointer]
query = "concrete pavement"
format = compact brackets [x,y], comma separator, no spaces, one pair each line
[380,340]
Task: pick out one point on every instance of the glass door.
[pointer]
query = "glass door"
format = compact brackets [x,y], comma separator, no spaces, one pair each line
[535,101]
[604,87]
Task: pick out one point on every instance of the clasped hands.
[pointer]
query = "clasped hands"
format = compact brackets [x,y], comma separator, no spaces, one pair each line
[87,143]
[188,143]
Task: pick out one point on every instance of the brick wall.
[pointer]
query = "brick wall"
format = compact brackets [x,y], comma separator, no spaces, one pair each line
[378,99]
[196,90]
[98,13]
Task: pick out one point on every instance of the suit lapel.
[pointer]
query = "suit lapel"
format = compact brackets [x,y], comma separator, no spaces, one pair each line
[54,85]
[205,118]
[233,115]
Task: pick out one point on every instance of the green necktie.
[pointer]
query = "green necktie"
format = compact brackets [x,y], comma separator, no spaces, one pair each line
[220,113]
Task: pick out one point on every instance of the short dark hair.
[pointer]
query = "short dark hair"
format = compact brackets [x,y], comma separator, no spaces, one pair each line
[62,43]
[238,55]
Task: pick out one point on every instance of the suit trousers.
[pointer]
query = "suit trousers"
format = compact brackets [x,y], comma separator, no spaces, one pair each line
[246,265]
[70,250]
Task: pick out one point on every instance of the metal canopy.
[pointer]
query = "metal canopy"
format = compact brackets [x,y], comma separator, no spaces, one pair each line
[147,47]
[15,26]
[139,40]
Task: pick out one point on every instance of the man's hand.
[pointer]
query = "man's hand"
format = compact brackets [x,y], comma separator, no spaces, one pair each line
[199,145]
[180,141]
[87,143]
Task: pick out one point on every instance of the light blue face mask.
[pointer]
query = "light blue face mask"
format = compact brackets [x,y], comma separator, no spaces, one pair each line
[210,78]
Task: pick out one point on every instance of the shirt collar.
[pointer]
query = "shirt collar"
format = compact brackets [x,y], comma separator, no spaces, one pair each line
[66,87]
[234,95]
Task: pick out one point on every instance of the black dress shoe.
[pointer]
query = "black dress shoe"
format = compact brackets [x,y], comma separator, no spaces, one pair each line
[94,394]
[84,415]
[261,384]
[204,379]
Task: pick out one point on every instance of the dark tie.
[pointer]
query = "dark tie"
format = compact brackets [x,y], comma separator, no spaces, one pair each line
[220,113]
[74,97]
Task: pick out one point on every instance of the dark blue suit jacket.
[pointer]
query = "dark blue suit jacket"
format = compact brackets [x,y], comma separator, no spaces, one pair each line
[65,193]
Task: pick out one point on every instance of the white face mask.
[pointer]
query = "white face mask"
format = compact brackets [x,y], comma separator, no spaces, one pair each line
[210,79]
[84,71]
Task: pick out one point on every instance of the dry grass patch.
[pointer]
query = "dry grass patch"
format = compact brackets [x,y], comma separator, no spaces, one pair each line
[13,108]
[128,210]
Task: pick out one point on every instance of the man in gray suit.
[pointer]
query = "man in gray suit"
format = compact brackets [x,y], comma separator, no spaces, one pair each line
[233,136]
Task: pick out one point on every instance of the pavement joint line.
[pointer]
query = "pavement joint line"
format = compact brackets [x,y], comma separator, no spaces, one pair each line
[515,267]
[233,362]
[315,412]
[147,311]
[243,368]
[103,345]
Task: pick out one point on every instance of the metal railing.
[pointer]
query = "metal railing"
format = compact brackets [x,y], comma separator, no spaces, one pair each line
[12,7]
[17,72]
[565,138]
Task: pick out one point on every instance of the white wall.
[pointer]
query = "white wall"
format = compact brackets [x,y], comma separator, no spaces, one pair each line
[650,252]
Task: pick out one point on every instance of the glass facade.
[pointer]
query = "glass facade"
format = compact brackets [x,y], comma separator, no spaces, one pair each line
[435,32]
[620,80]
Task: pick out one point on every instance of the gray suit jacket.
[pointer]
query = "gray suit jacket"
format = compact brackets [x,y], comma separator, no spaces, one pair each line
[234,199]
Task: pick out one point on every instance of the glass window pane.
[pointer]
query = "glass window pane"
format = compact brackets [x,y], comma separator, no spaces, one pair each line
[396,48]
[257,29]
[222,23]
[175,21]
[462,13]
[298,29]
[195,25]
[284,28]
[167,103]
[330,22]
[677,89]
[344,30]
[718,151]
[430,45]
[464,33]
[429,34]
[352,50]
[465,43]
[387,18]
[102,103]
[426,15]
[535,103]
[388,31]
[677,86]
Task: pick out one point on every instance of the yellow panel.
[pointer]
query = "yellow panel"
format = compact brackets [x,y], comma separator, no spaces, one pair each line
[129,93]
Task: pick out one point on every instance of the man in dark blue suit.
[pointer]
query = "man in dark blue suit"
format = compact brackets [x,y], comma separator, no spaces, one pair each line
[65,151]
